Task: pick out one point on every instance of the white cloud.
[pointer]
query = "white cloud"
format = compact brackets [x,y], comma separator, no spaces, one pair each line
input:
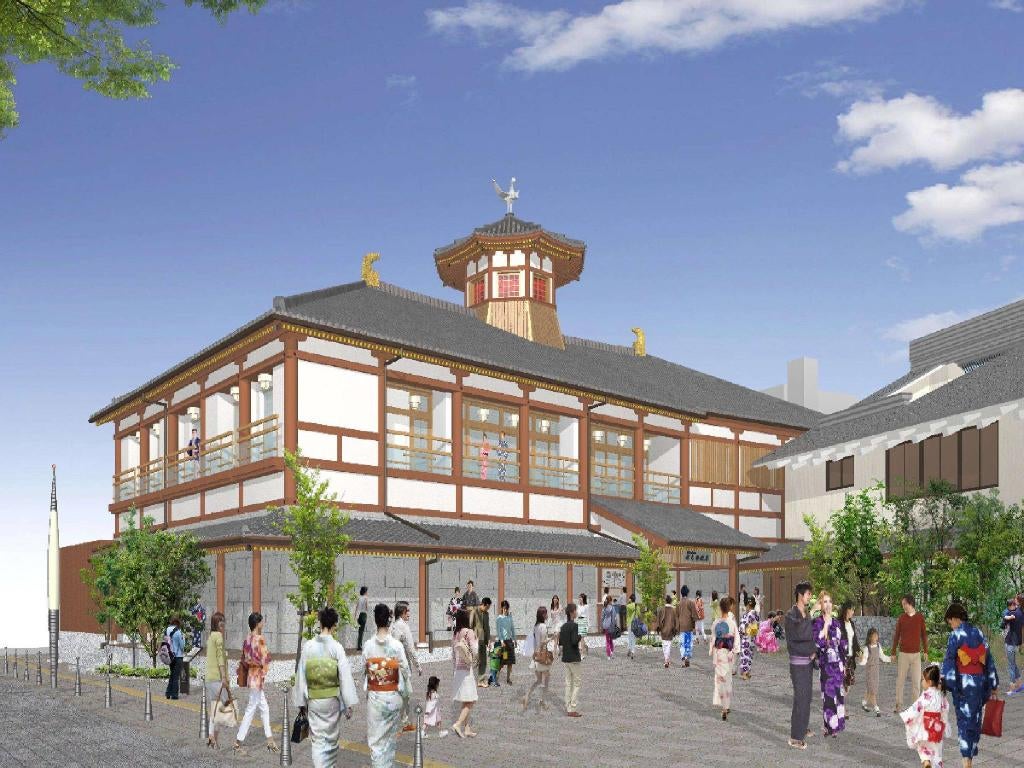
[917,327]
[558,40]
[988,196]
[897,265]
[1017,6]
[837,81]
[916,128]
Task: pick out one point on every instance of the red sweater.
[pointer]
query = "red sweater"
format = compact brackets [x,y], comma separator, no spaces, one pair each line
[910,635]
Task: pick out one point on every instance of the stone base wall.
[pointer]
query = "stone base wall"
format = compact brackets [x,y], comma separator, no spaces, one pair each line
[886,626]
[529,585]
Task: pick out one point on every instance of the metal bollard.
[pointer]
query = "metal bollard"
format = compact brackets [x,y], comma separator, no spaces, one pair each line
[78,677]
[286,732]
[28,669]
[148,715]
[7,666]
[108,698]
[204,717]
[417,753]
[15,665]
[39,667]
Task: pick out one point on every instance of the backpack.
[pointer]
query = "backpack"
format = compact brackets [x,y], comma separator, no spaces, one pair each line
[638,628]
[699,602]
[164,654]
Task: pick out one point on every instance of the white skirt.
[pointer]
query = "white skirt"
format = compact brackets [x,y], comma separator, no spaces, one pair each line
[464,686]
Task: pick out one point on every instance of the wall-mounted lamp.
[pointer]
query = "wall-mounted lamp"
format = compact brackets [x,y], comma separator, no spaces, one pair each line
[193,413]
[513,419]
[623,439]
[545,425]
[156,429]
[484,413]
[415,401]
[647,444]
[598,435]
[234,393]
[266,381]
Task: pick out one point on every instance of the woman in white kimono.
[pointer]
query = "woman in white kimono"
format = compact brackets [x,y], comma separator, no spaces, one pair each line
[386,675]
[325,689]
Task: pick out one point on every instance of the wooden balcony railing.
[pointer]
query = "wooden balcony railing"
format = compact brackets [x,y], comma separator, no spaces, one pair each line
[547,471]
[419,453]
[662,486]
[251,442]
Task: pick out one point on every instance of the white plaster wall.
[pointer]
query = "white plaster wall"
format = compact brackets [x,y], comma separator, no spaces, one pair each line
[260,490]
[517,259]
[722,498]
[277,390]
[130,421]
[657,420]
[419,494]
[749,500]
[491,384]
[261,404]
[221,499]
[489,501]
[771,502]
[190,390]
[663,455]
[568,430]
[555,398]
[318,445]
[711,430]
[260,354]
[700,497]
[129,451]
[441,415]
[617,412]
[221,415]
[152,410]
[760,527]
[352,488]
[806,494]
[760,437]
[221,374]
[156,512]
[337,397]
[500,259]
[610,528]
[1011,459]
[355,450]
[185,507]
[426,370]
[338,351]
[724,519]
[543,507]
[156,445]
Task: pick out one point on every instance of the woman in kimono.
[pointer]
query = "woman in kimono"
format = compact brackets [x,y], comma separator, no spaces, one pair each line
[325,689]
[831,642]
[502,453]
[722,650]
[970,676]
[386,675]
[927,719]
[749,625]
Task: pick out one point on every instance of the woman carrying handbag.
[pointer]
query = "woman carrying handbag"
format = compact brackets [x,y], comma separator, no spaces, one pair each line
[224,711]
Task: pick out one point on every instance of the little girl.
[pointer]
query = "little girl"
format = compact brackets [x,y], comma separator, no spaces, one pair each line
[927,719]
[872,656]
[432,712]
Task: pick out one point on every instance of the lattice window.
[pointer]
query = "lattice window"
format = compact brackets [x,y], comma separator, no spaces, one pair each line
[490,441]
[612,472]
[508,285]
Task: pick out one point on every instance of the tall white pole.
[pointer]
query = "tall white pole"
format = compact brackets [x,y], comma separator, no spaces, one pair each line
[53,579]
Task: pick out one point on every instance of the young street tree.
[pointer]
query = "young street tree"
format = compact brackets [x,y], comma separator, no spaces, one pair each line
[147,577]
[85,39]
[650,574]
[316,526]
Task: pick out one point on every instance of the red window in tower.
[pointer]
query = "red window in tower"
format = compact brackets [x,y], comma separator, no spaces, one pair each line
[476,291]
[508,285]
[540,288]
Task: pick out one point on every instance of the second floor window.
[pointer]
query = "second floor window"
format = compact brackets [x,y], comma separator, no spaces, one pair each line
[839,474]
[411,440]
[540,288]
[611,461]
[554,451]
[508,285]
[490,441]
[476,291]
[967,460]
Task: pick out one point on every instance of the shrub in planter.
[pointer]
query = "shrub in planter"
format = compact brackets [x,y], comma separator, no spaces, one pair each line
[153,673]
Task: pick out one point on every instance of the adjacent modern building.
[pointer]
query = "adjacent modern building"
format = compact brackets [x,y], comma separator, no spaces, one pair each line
[468,439]
[801,387]
[956,416]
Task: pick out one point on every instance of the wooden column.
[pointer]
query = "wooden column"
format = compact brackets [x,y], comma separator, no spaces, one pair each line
[684,466]
[244,416]
[382,432]
[736,487]
[424,597]
[629,581]
[568,581]
[638,458]
[524,452]
[501,581]
[734,578]
[457,439]
[220,581]
[584,455]
[257,581]
[291,408]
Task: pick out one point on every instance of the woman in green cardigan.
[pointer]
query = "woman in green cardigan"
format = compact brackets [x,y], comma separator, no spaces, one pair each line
[216,672]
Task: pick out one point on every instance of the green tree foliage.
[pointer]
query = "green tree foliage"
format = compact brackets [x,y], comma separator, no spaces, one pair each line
[650,574]
[316,526]
[85,39]
[845,555]
[987,548]
[146,578]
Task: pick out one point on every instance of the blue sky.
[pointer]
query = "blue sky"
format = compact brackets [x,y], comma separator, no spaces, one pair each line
[741,181]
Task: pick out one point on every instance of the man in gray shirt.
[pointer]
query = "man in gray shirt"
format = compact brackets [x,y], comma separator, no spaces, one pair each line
[801,646]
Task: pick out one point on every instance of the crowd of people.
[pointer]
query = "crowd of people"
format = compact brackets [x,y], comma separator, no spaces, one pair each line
[821,641]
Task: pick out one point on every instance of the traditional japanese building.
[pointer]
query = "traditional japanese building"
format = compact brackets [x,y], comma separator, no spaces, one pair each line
[469,440]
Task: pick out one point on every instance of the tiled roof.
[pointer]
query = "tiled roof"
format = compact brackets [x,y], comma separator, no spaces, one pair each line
[509,224]
[379,530]
[677,525]
[779,553]
[996,381]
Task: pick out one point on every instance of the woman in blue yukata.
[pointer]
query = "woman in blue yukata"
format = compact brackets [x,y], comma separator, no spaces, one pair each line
[748,631]
[970,676]
[325,689]
[386,672]
[831,642]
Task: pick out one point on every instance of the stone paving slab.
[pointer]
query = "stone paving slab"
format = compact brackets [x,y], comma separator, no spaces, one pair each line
[635,712]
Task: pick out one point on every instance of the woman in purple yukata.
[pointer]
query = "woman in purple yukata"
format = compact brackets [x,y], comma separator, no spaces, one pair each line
[831,643]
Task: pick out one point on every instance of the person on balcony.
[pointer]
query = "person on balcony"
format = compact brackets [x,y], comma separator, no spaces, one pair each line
[193,450]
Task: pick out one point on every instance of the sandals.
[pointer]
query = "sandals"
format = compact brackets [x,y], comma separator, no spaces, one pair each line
[272,747]
[458,733]
[797,744]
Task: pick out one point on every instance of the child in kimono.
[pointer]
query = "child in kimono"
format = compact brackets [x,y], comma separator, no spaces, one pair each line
[927,719]
[494,659]
[871,657]
[432,710]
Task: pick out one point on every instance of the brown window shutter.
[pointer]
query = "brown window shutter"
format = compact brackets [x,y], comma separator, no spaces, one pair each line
[833,475]
[988,464]
[950,460]
[848,472]
[931,460]
[912,467]
[895,481]
[969,459]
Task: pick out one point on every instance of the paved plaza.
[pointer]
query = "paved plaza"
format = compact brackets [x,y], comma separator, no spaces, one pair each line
[635,712]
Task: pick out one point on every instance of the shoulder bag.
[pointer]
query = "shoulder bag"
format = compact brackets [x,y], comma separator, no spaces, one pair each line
[542,655]
[225,713]
[992,724]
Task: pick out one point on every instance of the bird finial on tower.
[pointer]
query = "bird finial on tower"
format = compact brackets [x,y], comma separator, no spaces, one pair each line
[369,274]
[509,197]
[53,488]
[640,343]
